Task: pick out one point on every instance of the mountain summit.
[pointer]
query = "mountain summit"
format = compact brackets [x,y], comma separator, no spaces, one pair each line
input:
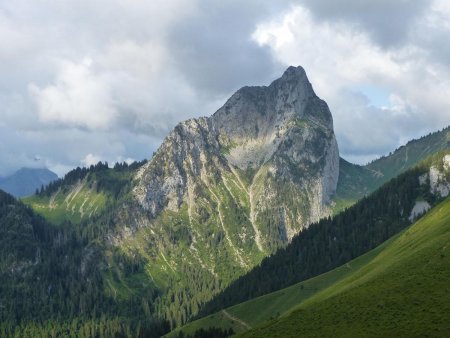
[258,118]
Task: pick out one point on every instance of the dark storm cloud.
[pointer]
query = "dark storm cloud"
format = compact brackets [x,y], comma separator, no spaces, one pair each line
[388,21]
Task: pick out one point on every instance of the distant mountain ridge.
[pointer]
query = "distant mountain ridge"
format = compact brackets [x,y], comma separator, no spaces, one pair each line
[357,181]
[25,181]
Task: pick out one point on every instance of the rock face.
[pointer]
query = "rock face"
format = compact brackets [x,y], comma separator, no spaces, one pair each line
[227,190]
[439,176]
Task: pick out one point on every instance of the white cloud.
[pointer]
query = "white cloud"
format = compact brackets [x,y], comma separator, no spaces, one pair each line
[90,159]
[79,98]
[127,160]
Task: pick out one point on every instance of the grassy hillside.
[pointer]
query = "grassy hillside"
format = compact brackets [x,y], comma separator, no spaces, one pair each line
[403,291]
[357,181]
[254,312]
[324,244]
[74,203]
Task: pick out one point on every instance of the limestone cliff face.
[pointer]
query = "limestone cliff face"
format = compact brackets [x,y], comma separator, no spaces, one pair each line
[184,154]
[439,177]
[261,168]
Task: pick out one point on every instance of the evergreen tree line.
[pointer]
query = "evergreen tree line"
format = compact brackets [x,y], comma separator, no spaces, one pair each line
[331,242]
[108,179]
[212,332]
[102,327]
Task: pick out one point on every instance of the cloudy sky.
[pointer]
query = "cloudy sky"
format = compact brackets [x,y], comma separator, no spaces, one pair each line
[85,80]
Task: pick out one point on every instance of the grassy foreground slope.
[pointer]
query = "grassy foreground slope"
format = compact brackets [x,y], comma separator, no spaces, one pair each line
[254,312]
[403,291]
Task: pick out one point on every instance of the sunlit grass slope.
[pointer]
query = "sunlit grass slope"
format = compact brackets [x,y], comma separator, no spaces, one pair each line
[403,292]
[74,204]
[82,193]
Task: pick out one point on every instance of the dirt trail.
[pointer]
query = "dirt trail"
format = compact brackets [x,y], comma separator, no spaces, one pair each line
[235,319]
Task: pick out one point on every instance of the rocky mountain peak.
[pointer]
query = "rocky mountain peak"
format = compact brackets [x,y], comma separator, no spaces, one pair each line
[248,178]
[254,121]
[285,96]
[294,79]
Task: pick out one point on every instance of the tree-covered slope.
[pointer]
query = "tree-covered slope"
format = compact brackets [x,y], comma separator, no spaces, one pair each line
[402,292]
[56,278]
[332,242]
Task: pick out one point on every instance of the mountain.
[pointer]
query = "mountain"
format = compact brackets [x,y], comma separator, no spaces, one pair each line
[357,181]
[390,260]
[25,181]
[225,191]
[263,141]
